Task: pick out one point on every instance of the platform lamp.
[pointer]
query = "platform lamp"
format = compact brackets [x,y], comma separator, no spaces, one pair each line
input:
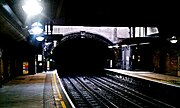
[32,7]
[173,39]
[37,30]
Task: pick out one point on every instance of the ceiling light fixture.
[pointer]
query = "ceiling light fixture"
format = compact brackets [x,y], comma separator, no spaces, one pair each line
[32,7]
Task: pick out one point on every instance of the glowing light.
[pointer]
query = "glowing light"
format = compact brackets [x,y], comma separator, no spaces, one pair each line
[124,45]
[47,43]
[144,43]
[173,40]
[55,43]
[32,7]
[115,46]
[36,24]
[36,30]
[39,57]
[110,46]
[39,38]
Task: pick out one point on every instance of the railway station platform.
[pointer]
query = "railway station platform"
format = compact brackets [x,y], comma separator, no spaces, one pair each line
[155,77]
[45,90]
[41,90]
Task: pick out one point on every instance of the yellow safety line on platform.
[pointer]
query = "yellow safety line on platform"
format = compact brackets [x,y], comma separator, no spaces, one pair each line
[59,94]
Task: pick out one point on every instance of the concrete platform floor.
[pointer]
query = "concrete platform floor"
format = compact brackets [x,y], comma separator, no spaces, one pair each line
[161,78]
[27,92]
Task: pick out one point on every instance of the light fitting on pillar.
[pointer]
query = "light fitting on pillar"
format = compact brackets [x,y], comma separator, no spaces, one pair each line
[36,28]
[173,39]
[39,38]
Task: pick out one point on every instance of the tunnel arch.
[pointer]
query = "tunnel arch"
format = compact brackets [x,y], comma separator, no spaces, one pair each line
[85,34]
[82,53]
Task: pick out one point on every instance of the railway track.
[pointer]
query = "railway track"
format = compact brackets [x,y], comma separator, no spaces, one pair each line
[104,92]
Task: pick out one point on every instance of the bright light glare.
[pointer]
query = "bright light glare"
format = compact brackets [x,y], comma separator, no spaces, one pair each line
[47,43]
[39,38]
[32,7]
[55,43]
[115,46]
[36,24]
[173,41]
[36,30]
[110,46]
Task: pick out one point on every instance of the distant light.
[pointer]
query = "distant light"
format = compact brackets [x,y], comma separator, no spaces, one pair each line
[83,33]
[39,57]
[111,62]
[82,37]
[39,38]
[47,43]
[115,46]
[110,46]
[55,43]
[133,57]
[40,64]
[124,45]
[32,7]
[133,44]
[173,40]
[144,43]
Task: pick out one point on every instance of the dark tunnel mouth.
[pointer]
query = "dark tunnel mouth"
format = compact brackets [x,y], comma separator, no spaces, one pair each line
[79,52]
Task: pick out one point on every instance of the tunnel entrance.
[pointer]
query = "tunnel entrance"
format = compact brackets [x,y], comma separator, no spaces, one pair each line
[82,53]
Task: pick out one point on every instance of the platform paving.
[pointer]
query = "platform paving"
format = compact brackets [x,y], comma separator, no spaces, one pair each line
[162,78]
[28,91]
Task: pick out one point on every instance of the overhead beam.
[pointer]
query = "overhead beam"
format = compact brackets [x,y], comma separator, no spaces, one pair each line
[10,24]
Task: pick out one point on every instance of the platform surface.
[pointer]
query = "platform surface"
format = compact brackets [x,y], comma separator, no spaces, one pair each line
[33,91]
[23,91]
[160,78]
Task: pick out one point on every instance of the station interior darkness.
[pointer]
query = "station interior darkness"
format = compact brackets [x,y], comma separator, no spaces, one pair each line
[17,45]
[104,53]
